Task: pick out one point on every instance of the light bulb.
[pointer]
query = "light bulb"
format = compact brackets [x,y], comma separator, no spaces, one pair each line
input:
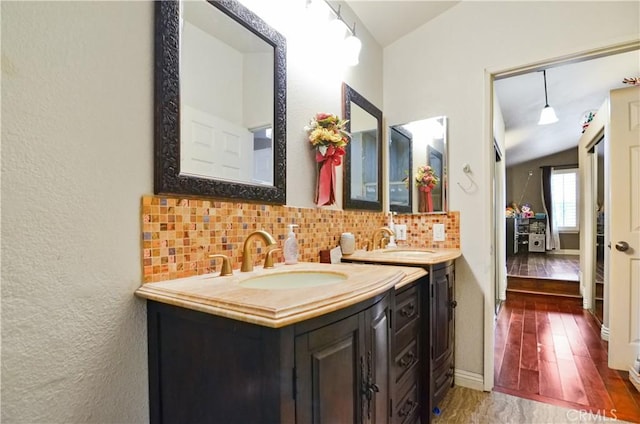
[351,47]
[336,30]
[547,116]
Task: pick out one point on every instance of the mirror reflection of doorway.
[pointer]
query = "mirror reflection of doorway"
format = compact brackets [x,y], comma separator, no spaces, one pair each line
[598,275]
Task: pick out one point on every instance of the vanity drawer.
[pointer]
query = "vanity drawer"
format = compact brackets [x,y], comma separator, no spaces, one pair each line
[407,409]
[406,360]
[409,334]
[407,307]
[442,379]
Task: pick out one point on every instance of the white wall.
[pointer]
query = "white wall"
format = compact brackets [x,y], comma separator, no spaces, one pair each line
[221,95]
[440,69]
[77,139]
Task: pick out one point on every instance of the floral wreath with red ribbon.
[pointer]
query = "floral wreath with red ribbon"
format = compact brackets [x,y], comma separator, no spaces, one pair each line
[328,135]
[426,178]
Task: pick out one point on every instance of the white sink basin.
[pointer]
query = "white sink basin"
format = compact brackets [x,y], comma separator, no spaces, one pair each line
[293,280]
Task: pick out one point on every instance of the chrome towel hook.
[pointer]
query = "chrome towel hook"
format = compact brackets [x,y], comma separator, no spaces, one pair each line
[472,184]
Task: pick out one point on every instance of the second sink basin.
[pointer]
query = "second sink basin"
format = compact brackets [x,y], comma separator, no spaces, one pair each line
[293,280]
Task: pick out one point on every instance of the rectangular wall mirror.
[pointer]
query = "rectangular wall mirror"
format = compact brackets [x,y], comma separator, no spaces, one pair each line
[220,102]
[363,159]
[416,147]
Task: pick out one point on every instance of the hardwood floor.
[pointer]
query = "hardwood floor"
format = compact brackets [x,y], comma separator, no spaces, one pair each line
[549,349]
[543,265]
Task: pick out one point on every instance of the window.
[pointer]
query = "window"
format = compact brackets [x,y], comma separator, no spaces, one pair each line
[564,198]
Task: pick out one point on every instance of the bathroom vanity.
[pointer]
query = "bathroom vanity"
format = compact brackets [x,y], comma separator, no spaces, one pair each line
[423,343]
[222,352]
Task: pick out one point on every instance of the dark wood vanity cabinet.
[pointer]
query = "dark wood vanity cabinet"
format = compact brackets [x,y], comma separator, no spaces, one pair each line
[334,368]
[422,344]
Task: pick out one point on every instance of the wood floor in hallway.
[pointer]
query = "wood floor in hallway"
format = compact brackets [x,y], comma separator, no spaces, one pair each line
[549,349]
[543,265]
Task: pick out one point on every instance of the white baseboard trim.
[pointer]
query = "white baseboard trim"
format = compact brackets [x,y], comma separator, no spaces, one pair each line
[604,333]
[574,252]
[470,380]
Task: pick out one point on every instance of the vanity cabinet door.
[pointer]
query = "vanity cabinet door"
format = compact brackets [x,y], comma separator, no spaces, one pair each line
[342,369]
[327,370]
[375,363]
[442,332]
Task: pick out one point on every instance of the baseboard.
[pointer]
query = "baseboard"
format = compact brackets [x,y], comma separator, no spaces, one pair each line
[572,252]
[470,380]
[604,333]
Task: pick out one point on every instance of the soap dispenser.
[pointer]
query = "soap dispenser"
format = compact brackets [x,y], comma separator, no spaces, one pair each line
[392,227]
[291,247]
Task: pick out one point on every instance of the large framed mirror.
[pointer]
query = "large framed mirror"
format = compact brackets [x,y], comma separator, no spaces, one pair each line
[400,165]
[418,179]
[363,159]
[220,102]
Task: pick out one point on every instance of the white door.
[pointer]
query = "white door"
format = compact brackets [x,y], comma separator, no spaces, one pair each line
[212,147]
[624,229]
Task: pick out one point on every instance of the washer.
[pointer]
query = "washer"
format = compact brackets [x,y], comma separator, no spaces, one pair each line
[536,242]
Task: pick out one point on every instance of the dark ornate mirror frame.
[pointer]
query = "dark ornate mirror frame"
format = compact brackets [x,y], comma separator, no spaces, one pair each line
[402,208]
[350,95]
[167,178]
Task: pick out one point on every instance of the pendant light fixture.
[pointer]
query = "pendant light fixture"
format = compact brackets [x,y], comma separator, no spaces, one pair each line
[548,115]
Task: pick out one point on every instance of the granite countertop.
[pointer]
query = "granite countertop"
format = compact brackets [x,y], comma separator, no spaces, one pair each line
[404,256]
[225,296]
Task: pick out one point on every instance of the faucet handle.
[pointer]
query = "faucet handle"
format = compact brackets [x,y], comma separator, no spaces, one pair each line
[226,264]
[268,259]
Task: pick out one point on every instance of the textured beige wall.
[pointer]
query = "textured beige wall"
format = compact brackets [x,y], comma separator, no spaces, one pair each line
[77,136]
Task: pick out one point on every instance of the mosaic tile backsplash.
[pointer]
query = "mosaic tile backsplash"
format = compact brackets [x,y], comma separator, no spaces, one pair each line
[178,235]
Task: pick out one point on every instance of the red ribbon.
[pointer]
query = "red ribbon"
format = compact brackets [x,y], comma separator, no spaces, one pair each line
[429,200]
[325,193]
[427,189]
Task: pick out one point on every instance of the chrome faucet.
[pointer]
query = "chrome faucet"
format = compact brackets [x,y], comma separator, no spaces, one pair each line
[376,237]
[247,259]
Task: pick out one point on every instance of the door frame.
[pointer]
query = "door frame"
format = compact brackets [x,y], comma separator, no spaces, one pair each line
[587,183]
[490,75]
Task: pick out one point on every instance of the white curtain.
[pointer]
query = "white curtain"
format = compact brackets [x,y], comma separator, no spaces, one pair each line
[552,236]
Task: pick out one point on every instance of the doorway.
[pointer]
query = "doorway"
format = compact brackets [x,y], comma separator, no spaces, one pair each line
[500,263]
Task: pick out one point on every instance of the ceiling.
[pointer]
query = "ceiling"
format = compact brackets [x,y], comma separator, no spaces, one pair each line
[389,20]
[573,89]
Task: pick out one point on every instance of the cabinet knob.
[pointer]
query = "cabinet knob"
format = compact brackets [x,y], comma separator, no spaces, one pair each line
[408,310]
[407,408]
[454,303]
[408,359]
